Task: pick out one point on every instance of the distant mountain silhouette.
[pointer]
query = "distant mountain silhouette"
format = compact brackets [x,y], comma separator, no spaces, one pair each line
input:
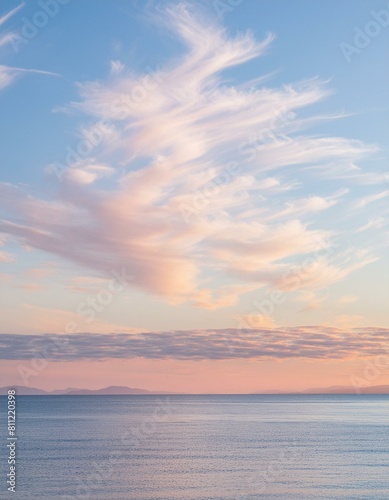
[344,389]
[336,389]
[113,390]
[22,390]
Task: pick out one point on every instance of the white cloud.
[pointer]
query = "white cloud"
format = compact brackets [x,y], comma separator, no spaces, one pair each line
[9,74]
[366,200]
[376,222]
[10,13]
[181,139]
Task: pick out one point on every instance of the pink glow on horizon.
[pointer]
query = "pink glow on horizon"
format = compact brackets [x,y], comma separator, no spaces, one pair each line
[237,376]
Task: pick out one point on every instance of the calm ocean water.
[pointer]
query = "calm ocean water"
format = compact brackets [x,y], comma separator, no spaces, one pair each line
[201,447]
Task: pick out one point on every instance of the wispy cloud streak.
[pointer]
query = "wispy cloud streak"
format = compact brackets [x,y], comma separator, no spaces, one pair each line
[170,213]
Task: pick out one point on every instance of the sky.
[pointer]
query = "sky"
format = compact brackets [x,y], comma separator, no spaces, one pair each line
[194,196]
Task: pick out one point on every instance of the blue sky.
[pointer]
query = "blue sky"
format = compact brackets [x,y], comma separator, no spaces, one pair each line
[311,204]
[82,39]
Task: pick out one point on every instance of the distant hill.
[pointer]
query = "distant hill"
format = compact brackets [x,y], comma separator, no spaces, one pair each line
[344,389]
[22,390]
[64,391]
[113,390]
[336,389]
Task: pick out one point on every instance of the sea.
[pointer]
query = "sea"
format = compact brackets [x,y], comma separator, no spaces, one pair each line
[199,447]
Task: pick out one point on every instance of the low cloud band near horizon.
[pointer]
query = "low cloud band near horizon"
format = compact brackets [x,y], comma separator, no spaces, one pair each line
[311,342]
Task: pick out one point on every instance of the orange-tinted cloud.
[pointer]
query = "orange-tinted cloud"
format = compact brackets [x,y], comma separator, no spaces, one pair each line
[180,180]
